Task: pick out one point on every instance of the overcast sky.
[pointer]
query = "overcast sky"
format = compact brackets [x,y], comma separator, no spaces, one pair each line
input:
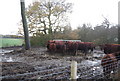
[84,11]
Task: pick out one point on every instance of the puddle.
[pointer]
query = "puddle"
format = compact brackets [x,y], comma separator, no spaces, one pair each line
[2,51]
[91,63]
[5,58]
[92,69]
[98,54]
[98,51]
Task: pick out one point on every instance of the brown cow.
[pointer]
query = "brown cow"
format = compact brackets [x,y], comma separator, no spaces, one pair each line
[71,47]
[90,45]
[56,46]
[51,46]
[101,47]
[111,48]
[110,63]
[82,47]
[86,46]
[60,46]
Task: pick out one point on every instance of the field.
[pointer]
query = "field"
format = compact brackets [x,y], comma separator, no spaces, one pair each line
[6,42]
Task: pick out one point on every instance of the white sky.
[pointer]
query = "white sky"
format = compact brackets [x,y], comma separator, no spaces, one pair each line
[84,11]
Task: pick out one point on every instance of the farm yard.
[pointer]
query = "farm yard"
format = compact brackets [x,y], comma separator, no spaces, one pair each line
[60,46]
[38,63]
[40,60]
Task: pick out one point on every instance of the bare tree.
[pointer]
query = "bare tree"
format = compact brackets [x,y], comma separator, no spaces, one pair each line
[47,16]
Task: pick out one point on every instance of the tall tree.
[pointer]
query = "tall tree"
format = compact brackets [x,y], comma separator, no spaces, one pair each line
[107,25]
[47,16]
[84,30]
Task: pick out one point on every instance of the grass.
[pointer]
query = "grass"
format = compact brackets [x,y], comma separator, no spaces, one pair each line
[6,42]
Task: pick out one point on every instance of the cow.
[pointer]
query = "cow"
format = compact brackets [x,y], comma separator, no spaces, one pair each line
[90,45]
[71,47]
[110,63]
[51,46]
[56,46]
[60,46]
[49,43]
[111,48]
[84,47]
[101,47]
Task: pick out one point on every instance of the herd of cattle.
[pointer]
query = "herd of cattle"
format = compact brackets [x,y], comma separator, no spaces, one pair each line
[109,62]
[69,46]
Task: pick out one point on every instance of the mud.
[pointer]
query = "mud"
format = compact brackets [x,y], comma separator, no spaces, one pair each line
[39,59]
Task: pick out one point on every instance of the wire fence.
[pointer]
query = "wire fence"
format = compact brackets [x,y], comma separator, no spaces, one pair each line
[107,68]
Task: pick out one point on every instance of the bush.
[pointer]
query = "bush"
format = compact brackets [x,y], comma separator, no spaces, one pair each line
[39,40]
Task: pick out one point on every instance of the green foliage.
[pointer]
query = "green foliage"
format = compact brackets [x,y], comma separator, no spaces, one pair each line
[85,32]
[40,40]
[100,34]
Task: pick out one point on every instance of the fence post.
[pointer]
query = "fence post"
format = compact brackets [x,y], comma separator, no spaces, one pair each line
[119,22]
[73,70]
[118,75]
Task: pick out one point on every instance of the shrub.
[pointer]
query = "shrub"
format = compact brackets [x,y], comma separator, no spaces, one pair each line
[39,40]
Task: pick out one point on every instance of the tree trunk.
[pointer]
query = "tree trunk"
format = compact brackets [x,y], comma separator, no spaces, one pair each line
[26,35]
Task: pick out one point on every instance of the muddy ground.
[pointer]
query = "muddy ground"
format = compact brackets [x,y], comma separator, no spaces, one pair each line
[20,61]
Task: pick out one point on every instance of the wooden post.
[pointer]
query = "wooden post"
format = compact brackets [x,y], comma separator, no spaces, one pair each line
[73,70]
[26,35]
[119,37]
[118,74]
[119,22]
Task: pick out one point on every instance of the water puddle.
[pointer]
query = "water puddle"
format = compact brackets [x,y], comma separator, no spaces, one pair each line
[3,51]
[98,54]
[92,69]
[4,57]
[91,63]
